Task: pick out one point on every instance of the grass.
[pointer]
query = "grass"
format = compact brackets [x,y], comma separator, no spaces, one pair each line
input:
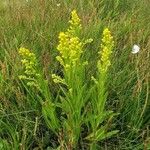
[38,119]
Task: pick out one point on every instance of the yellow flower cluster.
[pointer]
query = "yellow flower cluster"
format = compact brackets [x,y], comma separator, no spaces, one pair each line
[30,63]
[106,46]
[70,46]
[58,79]
[75,24]
[70,49]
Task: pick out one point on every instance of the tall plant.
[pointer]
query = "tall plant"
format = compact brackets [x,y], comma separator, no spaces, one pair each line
[35,83]
[98,115]
[71,48]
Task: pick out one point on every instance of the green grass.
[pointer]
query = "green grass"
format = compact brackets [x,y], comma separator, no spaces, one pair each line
[26,113]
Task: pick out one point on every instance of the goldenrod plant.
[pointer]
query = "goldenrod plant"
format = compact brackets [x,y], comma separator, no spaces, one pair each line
[99,118]
[71,48]
[35,80]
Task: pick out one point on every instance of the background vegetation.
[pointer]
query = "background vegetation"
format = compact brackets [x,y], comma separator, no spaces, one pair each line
[36,25]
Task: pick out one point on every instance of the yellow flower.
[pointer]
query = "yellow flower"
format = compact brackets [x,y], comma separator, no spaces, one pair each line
[75,20]
[106,50]
[70,46]
[75,23]
[58,79]
[30,63]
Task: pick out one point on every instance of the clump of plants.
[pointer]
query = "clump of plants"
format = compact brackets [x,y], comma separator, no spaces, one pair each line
[79,106]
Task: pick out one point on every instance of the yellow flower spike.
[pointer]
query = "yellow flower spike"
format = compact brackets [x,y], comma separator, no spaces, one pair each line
[75,20]
[106,47]
[70,46]
[75,23]
[58,79]
[29,62]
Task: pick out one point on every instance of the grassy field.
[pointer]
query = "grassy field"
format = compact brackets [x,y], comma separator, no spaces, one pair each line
[68,78]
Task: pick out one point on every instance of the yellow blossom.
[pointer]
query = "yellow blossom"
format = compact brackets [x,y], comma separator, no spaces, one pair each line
[75,24]
[57,79]
[30,63]
[106,50]
[70,46]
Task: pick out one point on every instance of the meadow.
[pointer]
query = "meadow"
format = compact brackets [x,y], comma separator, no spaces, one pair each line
[69,79]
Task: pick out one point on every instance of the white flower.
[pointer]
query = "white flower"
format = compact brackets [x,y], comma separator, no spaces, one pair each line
[58,4]
[135,49]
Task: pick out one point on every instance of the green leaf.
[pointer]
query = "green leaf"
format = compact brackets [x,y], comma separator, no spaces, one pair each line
[48,111]
[107,135]
[101,134]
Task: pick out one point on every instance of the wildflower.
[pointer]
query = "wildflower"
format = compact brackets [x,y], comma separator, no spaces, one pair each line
[75,23]
[58,79]
[135,49]
[70,46]
[58,4]
[106,46]
[30,63]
